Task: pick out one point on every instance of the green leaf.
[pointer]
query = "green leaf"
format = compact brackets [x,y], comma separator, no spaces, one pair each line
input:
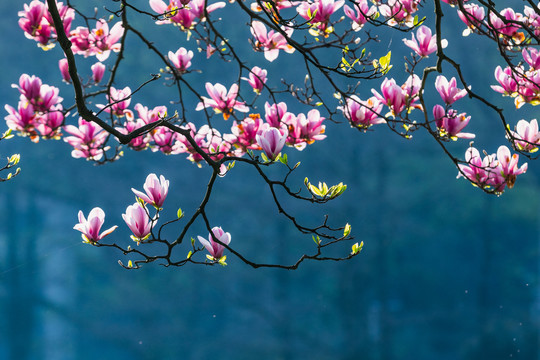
[189,254]
[347,230]
[316,239]
[283,159]
[264,157]
[356,248]
[180,213]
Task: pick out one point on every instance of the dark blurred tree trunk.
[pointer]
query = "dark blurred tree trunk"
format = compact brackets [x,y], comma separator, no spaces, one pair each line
[21,276]
[384,341]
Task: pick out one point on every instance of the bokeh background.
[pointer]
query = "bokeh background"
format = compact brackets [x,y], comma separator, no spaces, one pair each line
[447,272]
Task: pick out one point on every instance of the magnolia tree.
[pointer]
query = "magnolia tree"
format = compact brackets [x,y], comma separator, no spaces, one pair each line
[250,122]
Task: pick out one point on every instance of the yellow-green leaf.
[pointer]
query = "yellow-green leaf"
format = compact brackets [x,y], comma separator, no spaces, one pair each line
[347,230]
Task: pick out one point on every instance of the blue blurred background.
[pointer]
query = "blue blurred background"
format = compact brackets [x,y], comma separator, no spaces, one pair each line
[447,272]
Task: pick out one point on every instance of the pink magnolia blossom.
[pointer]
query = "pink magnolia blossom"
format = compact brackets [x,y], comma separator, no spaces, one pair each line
[276,114]
[98,70]
[166,141]
[450,124]
[305,130]
[318,12]
[181,59]
[31,21]
[473,17]
[105,41]
[359,13]
[270,42]
[48,98]
[90,228]
[36,22]
[508,85]
[532,19]
[272,141]
[21,119]
[425,43]
[411,90]
[392,96]
[149,116]
[216,248]
[478,171]
[198,7]
[493,171]
[363,113]
[508,167]
[448,89]
[67,15]
[48,124]
[29,87]
[510,26]
[244,133]
[119,100]
[99,42]
[88,140]
[81,41]
[64,70]
[179,13]
[399,11]
[140,142]
[138,221]
[526,135]
[277,4]
[156,190]
[257,79]
[173,13]
[222,101]
[532,56]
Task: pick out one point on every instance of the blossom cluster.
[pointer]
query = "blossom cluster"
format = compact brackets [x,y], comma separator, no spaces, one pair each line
[520,83]
[39,112]
[137,218]
[37,24]
[492,172]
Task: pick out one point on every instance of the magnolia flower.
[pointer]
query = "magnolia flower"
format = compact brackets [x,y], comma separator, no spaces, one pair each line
[305,130]
[138,221]
[392,96]
[473,17]
[450,124]
[98,70]
[257,79]
[181,59]
[88,140]
[507,83]
[244,133]
[216,248]
[448,89]
[105,40]
[271,141]
[359,13]
[90,228]
[363,113]
[156,190]
[526,136]
[276,114]
[270,42]
[221,100]
[508,165]
[318,12]
[424,43]
[119,101]
[64,70]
